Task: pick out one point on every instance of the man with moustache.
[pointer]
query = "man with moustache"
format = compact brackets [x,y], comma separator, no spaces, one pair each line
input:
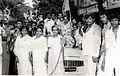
[91,43]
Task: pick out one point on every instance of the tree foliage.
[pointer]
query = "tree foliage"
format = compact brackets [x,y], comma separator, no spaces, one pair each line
[45,6]
[16,7]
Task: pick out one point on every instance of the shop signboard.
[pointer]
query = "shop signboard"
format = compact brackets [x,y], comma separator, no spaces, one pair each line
[82,11]
[113,4]
[90,9]
[87,6]
[89,2]
[93,8]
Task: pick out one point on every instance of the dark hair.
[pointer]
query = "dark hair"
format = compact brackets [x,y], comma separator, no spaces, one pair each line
[41,21]
[103,13]
[2,22]
[113,16]
[56,27]
[92,15]
[32,22]
[23,27]
[18,21]
[39,28]
[33,13]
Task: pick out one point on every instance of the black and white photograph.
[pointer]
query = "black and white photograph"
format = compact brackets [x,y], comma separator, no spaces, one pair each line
[60,37]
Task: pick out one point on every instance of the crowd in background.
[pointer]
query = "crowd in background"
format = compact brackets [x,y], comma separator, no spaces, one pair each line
[39,42]
[19,33]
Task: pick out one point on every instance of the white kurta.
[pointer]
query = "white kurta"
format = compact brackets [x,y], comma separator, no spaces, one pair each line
[109,58]
[55,58]
[91,45]
[65,27]
[78,37]
[2,32]
[108,40]
[116,54]
[39,48]
[112,53]
[48,25]
[22,50]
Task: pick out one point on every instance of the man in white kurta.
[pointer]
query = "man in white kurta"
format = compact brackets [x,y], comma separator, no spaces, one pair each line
[112,41]
[106,26]
[91,44]
[66,26]
[109,44]
[48,24]
[117,54]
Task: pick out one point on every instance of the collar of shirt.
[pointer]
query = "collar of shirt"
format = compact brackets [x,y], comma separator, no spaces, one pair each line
[90,26]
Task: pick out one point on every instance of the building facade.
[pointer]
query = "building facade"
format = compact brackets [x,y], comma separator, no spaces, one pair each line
[89,6]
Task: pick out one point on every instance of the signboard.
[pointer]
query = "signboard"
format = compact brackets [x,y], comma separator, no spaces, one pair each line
[113,4]
[82,11]
[92,9]
[84,3]
[87,6]
[89,2]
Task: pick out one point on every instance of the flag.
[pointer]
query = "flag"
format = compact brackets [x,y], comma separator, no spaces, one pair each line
[66,7]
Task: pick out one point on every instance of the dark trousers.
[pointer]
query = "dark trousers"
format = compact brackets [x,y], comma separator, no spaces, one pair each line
[13,66]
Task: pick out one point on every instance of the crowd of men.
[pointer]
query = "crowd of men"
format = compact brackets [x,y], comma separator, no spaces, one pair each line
[99,44]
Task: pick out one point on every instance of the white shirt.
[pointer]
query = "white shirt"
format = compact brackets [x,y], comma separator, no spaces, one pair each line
[66,27]
[106,27]
[48,25]
[78,37]
[91,41]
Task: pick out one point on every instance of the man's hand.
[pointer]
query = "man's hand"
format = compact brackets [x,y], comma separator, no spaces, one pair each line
[31,58]
[103,65]
[80,46]
[46,58]
[103,49]
[95,59]
[17,59]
